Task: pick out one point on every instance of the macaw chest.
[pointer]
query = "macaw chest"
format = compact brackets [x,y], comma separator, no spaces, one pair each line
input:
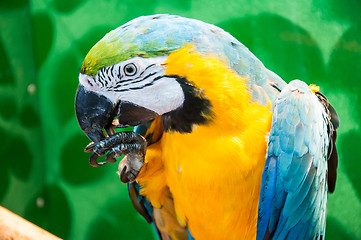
[215,183]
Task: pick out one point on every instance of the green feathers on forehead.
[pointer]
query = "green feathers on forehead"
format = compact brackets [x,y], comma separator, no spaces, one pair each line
[151,36]
[118,46]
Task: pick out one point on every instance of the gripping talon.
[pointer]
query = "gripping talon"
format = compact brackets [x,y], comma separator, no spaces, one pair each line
[89,148]
[110,131]
[118,150]
[93,160]
[123,178]
[110,157]
[118,144]
[99,150]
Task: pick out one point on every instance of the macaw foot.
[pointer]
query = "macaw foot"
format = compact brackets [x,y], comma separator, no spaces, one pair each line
[129,167]
[130,144]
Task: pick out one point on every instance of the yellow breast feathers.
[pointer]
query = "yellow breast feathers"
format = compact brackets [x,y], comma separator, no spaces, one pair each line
[213,173]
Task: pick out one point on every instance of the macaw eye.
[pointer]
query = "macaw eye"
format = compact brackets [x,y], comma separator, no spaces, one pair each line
[130,69]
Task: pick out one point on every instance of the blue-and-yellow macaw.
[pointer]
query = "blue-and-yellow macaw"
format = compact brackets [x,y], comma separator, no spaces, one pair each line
[223,148]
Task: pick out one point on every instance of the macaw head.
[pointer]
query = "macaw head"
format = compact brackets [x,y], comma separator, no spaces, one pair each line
[130,75]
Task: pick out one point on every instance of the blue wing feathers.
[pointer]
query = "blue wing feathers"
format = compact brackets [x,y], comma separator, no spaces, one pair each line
[294,192]
[286,159]
[297,204]
[299,196]
[300,147]
[299,233]
[308,134]
[268,186]
[300,176]
[140,203]
[277,204]
[293,169]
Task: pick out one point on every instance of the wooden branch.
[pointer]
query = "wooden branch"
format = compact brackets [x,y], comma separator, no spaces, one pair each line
[14,227]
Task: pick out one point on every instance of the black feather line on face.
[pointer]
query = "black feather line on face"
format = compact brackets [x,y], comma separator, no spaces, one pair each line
[196,109]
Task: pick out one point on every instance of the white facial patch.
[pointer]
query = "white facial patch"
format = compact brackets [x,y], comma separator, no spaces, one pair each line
[140,81]
[163,96]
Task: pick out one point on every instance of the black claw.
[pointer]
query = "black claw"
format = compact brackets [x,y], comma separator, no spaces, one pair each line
[118,151]
[93,160]
[100,150]
[90,147]
[110,131]
[122,143]
[110,157]
[123,177]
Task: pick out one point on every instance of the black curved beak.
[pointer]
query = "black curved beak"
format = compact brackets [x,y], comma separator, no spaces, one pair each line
[93,112]
[96,112]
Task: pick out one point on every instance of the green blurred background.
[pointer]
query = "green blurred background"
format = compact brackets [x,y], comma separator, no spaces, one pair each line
[44,174]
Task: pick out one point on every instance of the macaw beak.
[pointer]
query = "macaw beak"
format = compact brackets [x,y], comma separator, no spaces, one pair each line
[93,112]
[96,112]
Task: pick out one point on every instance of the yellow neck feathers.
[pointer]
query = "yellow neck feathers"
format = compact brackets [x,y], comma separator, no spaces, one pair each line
[224,88]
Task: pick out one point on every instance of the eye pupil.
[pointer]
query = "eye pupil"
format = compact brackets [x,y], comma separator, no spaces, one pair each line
[130,69]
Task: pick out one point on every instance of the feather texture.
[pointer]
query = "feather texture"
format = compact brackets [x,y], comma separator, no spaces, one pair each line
[214,172]
[294,182]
